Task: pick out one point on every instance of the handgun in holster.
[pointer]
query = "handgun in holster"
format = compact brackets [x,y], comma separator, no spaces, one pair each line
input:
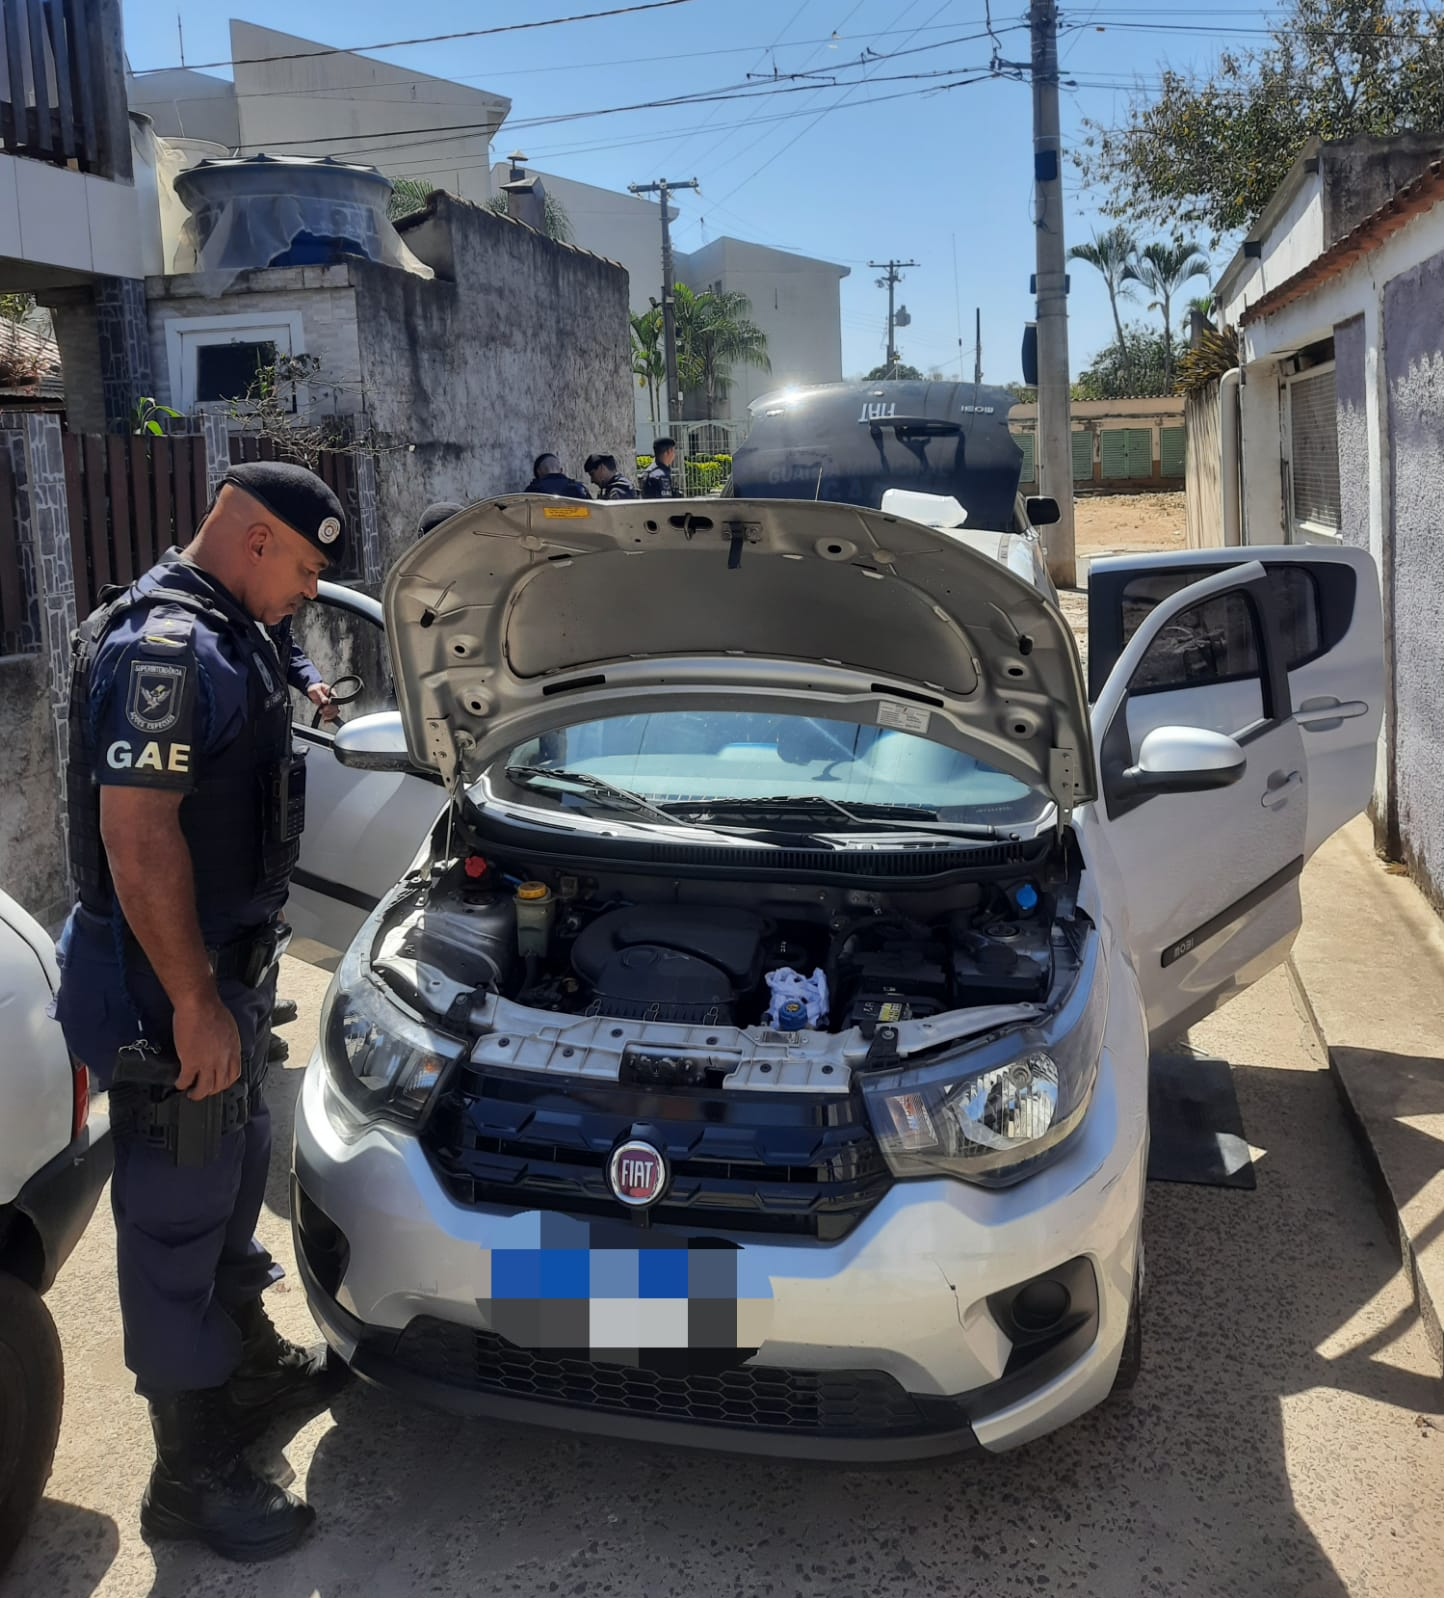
[146,1104]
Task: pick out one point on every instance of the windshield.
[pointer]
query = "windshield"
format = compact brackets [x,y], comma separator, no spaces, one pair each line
[839,774]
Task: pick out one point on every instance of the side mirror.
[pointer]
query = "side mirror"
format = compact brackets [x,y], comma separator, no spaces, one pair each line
[1041,511]
[1184,760]
[373,743]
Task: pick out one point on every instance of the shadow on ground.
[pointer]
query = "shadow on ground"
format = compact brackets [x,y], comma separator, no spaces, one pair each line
[1191,1485]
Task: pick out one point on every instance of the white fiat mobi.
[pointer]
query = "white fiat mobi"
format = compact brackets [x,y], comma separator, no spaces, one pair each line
[753,1051]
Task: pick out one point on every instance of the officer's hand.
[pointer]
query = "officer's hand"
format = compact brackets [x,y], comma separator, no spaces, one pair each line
[320,694]
[209,1048]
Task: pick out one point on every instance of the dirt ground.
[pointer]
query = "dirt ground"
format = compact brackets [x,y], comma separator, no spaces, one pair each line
[1113,523]
[1117,524]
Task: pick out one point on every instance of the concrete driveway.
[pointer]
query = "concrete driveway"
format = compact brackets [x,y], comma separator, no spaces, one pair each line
[1284,1441]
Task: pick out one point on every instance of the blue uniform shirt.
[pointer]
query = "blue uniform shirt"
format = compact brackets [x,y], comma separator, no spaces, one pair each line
[169,692]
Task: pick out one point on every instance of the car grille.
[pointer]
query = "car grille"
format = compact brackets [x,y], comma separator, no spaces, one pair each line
[838,1403]
[792,1164]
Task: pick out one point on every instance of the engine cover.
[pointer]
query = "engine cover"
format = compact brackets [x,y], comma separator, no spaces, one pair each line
[670,963]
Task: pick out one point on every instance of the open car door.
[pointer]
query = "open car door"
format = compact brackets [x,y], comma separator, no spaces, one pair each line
[1278,650]
[362,827]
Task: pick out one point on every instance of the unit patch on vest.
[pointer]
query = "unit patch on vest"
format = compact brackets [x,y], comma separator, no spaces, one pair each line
[157,692]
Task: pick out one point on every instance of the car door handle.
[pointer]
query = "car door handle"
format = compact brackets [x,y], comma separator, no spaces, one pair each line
[1325,713]
[1281,784]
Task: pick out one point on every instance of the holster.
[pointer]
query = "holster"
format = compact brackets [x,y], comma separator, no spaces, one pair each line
[146,1106]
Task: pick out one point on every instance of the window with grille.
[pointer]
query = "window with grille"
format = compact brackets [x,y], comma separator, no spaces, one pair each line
[1314,454]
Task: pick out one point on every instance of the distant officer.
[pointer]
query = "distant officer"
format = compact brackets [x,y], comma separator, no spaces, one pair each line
[608,481]
[547,477]
[442,510]
[657,484]
[186,806]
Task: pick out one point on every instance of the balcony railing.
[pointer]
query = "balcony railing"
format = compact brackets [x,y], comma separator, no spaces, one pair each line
[62,84]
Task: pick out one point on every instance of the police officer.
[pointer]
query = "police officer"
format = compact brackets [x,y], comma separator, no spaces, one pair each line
[608,481]
[657,482]
[186,803]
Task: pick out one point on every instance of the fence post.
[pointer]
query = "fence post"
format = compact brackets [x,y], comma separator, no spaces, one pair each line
[371,564]
[217,433]
[44,522]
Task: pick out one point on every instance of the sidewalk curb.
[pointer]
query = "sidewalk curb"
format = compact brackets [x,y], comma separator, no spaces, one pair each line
[1429,1311]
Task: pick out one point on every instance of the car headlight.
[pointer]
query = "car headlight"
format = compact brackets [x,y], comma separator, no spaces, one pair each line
[381,1060]
[993,1112]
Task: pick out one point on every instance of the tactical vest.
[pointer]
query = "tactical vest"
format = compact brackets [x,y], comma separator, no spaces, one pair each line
[240,853]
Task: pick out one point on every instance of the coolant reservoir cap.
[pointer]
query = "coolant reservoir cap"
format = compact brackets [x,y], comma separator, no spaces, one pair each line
[533,890]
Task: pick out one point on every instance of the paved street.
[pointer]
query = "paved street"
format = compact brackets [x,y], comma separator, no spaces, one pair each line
[1285,1439]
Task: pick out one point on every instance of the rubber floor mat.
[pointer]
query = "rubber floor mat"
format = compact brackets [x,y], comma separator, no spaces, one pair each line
[1196,1128]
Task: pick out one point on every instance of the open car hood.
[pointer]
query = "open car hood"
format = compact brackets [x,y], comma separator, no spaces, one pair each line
[527,613]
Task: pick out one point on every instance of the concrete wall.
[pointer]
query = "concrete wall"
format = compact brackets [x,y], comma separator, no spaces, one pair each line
[1359,177]
[32,847]
[322,296]
[1414,354]
[1351,385]
[795,301]
[520,345]
[1203,501]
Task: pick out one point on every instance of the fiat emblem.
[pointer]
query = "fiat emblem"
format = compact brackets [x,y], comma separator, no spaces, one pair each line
[637,1173]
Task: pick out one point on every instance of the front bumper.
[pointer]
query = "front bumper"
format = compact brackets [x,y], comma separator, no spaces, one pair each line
[884,1345]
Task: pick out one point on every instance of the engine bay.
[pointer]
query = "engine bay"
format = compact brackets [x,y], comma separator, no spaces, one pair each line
[777,956]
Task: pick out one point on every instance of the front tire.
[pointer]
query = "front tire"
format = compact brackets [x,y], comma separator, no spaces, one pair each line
[32,1392]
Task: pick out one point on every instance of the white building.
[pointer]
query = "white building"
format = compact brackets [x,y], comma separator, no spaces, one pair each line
[294,96]
[1332,426]
[795,299]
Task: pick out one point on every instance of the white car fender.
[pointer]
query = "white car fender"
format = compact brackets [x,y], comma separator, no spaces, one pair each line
[36,1090]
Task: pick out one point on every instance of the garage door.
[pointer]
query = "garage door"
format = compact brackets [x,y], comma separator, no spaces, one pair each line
[1311,455]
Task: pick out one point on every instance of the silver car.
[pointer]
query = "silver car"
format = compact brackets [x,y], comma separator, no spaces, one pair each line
[751,1048]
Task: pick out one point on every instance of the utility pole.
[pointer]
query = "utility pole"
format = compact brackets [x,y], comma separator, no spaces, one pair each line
[890,280]
[978,351]
[662,188]
[1055,423]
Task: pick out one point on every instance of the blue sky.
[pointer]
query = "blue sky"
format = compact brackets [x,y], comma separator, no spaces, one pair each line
[942,177]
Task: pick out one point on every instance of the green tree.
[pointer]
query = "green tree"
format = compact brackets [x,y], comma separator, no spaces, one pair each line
[649,364]
[16,307]
[901,372]
[1138,370]
[715,334]
[1163,269]
[1209,151]
[407,195]
[1111,254]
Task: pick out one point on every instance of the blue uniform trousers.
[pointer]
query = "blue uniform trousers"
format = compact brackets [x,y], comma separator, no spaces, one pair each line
[185,1246]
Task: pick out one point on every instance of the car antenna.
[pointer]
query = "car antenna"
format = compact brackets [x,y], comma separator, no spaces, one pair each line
[817,492]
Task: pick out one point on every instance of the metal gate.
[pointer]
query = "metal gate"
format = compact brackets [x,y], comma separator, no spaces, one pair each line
[1311,456]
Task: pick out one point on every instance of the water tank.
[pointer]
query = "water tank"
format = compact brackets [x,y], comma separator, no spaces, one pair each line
[262,210]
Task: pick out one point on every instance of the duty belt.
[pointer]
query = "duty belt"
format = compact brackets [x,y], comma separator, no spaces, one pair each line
[246,960]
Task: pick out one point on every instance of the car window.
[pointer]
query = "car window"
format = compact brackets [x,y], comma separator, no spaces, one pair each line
[343,643]
[1212,642]
[676,756]
[1296,597]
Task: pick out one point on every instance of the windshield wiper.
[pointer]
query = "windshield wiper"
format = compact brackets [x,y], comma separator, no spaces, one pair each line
[597,787]
[811,804]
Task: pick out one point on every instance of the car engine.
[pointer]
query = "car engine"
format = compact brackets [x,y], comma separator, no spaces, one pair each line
[603,949]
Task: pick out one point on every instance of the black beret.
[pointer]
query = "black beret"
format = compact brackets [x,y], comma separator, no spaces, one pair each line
[433,516]
[298,497]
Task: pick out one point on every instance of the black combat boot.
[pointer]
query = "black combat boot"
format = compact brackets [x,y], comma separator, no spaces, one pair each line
[284,1011]
[278,1051]
[202,1489]
[275,1375]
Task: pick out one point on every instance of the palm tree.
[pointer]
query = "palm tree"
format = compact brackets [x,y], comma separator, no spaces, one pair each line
[1163,269]
[556,224]
[715,332]
[407,195]
[649,366]
[1111,254]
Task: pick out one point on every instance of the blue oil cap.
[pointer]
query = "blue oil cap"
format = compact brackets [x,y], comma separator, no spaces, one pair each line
[791,1015]
[1026,898]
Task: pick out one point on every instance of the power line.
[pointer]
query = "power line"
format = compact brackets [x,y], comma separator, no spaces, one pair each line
[433,38]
